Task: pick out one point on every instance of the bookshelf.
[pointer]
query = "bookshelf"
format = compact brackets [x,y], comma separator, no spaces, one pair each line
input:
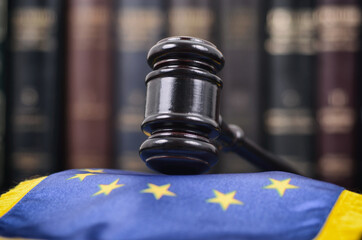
[72,81]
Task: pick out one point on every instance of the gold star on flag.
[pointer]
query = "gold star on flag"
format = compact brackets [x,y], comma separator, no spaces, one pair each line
[93,170]
[280,186]
[107,189]
[224,199]
[158,191]
[81,176]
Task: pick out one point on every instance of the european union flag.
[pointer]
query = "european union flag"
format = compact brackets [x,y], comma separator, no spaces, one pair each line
[113,204]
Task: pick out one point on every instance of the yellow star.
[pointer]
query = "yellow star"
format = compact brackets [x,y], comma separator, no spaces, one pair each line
[93,170]
[107,189]
[81,176]
[280,186]
[224,199]
[158,191]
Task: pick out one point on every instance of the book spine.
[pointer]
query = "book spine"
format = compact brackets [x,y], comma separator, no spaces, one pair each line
[196,18]
[289,82]
[338,24]
[3,34]
[138,26]
[240,42]
[89,83]
[34,87]
[359,118]
[359,127]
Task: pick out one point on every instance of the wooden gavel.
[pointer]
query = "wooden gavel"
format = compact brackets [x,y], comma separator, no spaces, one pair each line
[182,117]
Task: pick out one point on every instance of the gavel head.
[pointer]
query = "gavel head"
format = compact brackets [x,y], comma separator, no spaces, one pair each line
[182,106]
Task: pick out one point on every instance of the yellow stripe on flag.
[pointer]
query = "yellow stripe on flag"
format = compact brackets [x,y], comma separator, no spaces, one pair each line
[11,198]
[345,219]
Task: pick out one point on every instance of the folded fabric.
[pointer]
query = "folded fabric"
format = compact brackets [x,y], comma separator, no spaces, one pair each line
[113,204]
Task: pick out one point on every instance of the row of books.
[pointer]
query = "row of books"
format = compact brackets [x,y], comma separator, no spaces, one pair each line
[74,83]
[291,80]
[72,80]
[311,114]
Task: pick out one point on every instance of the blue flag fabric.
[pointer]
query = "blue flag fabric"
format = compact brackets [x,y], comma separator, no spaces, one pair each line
[114,204]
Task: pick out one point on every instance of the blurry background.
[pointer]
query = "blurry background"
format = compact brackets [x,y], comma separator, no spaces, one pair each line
[72,89]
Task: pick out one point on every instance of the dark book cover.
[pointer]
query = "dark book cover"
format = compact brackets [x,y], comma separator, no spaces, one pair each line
[196,18]
[34,87]
[359,119]
[3,34]
[289,82]
[138,26]
[89,83]
[338,24]
[358,181]
[240,97]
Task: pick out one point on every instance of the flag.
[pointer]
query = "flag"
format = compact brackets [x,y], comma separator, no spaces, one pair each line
[114,204]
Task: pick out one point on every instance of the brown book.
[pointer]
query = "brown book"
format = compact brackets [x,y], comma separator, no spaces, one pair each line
[338,25]
[88,112]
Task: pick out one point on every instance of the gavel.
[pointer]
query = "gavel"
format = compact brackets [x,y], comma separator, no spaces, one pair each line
[182,115]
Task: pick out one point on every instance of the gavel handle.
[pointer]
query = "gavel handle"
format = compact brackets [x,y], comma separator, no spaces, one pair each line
[232,138]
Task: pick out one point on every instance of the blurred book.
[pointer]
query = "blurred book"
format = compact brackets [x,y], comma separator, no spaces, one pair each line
[240,96]
[89,83]
[289,82]
[196,18]
[138,26]
[3,35]
[34,88]
[338,24]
